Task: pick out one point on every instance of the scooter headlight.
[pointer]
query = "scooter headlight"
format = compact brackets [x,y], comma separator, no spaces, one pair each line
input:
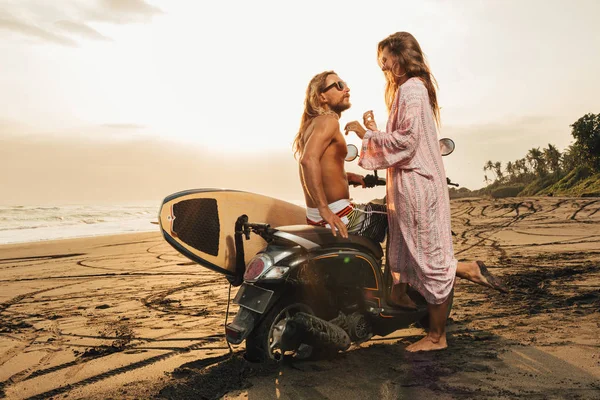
[257,266]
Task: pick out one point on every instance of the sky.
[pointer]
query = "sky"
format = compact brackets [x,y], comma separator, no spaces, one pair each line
[125,101]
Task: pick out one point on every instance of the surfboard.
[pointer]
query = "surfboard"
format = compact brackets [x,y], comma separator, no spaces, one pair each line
[200,224]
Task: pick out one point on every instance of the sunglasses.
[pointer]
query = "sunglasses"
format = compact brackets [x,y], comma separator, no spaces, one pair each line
[339,85]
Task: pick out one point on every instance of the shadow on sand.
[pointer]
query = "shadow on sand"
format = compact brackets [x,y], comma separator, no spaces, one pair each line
[479,364]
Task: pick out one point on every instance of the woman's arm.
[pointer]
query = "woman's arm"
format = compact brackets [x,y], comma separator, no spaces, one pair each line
[386,149]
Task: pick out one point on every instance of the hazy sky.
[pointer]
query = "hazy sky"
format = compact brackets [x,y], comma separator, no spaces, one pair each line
[129,100]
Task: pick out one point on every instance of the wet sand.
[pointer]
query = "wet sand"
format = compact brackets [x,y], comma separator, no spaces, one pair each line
[126,316]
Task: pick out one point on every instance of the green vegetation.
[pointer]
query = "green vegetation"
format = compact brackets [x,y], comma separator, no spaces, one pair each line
[548,172]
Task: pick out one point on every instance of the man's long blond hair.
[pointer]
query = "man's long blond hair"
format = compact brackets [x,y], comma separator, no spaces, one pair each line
[312,109]
[411,58]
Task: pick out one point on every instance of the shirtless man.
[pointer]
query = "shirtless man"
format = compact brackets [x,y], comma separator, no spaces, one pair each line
[322,150]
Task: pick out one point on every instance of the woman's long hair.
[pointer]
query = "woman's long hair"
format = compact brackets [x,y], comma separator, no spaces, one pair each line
[312,109]
[411,58]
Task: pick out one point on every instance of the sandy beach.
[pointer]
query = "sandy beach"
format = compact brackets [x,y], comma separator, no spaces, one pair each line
[126,316]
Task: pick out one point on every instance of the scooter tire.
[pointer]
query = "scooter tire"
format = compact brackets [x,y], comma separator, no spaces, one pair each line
[257,343]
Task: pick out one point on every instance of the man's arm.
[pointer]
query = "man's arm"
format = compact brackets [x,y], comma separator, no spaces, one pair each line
[324,130]
[355,179]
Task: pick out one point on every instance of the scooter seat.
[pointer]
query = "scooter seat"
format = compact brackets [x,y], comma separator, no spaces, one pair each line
[323,237]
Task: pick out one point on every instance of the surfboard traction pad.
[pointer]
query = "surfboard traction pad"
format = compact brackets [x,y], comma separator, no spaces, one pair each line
[200,228]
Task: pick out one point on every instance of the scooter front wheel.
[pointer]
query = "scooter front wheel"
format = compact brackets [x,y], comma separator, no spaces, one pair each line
[264,343]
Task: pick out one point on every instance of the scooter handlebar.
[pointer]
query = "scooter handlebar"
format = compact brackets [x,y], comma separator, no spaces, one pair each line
[373,180]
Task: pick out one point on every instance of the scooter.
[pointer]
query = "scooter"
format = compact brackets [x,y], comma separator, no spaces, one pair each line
[310,294]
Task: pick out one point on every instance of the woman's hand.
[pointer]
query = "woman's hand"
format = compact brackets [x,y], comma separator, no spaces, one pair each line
[369,120]
[356,127]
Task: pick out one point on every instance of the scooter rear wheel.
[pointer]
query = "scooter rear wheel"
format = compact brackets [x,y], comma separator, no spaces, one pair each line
[259,344]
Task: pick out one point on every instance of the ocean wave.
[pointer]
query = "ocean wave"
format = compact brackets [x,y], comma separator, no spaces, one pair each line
[19,228]
[92,221]
[21,209]
[18,223]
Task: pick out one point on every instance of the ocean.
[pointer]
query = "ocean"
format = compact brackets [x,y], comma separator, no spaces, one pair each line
[19,224]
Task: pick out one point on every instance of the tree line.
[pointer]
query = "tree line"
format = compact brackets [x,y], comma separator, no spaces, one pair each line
[583,153]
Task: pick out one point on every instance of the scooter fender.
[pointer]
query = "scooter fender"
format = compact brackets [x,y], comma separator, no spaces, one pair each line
[241,326]
[254,303]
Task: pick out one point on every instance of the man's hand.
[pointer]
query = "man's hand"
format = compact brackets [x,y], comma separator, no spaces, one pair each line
[356,127]
[355,179]
[334,222]
[369,120]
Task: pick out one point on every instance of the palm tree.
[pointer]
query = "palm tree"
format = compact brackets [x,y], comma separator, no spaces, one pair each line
[521,166]
[510,171]
[571,158]
[536,160]
[489,166]
[552,158]
[498,171]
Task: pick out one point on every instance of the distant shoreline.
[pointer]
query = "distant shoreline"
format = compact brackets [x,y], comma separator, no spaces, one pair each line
[154,229]
[99,235]
[23,224]
[66,243]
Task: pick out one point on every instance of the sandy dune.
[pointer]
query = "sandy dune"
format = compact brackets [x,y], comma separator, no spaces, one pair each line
[127,317]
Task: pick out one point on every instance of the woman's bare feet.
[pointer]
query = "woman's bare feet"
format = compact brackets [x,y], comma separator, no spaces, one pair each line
[477,272]
[436,337]
[429,343]
[399,298]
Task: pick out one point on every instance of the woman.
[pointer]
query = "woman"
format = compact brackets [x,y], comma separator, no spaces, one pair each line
[420,251]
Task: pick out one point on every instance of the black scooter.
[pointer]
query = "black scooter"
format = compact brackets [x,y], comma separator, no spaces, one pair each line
[309,294]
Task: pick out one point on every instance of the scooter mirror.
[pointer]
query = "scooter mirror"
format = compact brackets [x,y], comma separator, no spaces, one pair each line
[446,146]
[352,152]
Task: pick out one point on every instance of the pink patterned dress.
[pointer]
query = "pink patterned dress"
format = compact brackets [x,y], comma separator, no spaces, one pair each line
[420,250]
